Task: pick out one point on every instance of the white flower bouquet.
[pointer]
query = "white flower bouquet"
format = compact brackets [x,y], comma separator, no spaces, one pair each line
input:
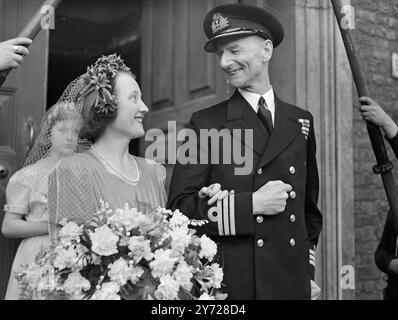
[126,254]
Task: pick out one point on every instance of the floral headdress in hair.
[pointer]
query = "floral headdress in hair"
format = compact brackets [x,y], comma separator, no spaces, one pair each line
[98,89]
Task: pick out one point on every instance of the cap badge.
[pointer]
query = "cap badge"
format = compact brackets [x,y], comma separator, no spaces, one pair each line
[219,23]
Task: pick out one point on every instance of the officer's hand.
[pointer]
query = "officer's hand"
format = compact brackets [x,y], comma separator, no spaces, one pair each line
[271,198]
[372,112]
[214,192]
[12,52]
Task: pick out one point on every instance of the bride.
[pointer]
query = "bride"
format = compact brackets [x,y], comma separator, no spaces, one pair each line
[110,112]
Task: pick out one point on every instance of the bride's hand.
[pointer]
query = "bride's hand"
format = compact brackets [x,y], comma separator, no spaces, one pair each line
[214,192]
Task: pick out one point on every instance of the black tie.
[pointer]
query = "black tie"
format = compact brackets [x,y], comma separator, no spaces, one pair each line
[265,115]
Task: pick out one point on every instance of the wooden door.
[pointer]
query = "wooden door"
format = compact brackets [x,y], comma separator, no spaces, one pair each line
[22,104]
[178,76]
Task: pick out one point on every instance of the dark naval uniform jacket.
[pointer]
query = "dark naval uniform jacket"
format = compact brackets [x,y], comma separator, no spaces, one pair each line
[264,257]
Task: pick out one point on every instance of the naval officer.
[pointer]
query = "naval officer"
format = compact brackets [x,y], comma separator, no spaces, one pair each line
[268,225]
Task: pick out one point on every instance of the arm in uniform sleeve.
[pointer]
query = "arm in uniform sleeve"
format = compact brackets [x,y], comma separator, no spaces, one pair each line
[394,144]
[313,216]
[225,217]
[385,251]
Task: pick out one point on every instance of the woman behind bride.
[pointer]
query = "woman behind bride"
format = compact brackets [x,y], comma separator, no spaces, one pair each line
[26,214]
[109,102]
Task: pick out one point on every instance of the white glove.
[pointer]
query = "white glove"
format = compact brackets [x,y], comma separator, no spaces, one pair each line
[214,192]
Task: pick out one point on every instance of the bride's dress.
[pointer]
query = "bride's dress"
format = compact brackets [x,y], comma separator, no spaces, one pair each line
[80,182]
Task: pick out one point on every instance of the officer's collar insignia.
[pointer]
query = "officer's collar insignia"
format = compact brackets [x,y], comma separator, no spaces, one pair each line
[305,127]
[219,23]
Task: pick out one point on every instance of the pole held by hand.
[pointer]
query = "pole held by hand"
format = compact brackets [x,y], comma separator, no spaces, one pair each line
[384,166]
[32,29]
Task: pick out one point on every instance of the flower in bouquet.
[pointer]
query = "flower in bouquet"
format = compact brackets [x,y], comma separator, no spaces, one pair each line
[183,274]
[127,218]
[206,296]
[180,238]
[104,241]
[140,248]
[216,276]
[70,233]
[121,271]
[163,263]
[38,280]
[65,257]
[76,285]
[208,248]
[128,254]
[168,288]
[108,291]
[178,219]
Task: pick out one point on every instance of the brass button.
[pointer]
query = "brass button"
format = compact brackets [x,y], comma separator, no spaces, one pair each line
[260,171]
[292,242]
[292,170]
[293,195]
[260,243]
[259,219]
[292,218]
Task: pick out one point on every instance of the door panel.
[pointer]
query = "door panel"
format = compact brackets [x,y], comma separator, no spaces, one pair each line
[22,104]
[200,73]
[178,76]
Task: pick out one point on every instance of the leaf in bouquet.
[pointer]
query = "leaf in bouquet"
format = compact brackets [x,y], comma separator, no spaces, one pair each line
[89,294]
[140,291]
[128,293]
[148,228]
[98,219]
[57,295]
[42,256]
[200,282]
[92,273]
[191,254]
[192,257]
[148,286]
[123,242]
[85,239]
[196,289]
[221,296]
[63,274]
[95,223]
[158,242]
[107,260]
[148,291]
[135,232]
[25,292]
[184,294]
[123,251]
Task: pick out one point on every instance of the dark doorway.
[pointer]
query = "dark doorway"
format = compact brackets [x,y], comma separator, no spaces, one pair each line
[85,30]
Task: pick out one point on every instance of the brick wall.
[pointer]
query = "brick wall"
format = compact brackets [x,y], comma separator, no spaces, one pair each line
[376,37]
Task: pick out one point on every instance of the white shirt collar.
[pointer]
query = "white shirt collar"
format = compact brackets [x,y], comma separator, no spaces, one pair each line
[252,98]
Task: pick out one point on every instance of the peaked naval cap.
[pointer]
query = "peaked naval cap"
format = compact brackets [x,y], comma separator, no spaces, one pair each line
[241,20]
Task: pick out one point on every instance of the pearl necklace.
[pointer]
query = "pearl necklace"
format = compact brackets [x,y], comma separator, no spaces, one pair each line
[133,181]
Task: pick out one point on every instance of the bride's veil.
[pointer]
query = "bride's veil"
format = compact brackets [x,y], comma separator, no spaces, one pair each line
[90,93]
